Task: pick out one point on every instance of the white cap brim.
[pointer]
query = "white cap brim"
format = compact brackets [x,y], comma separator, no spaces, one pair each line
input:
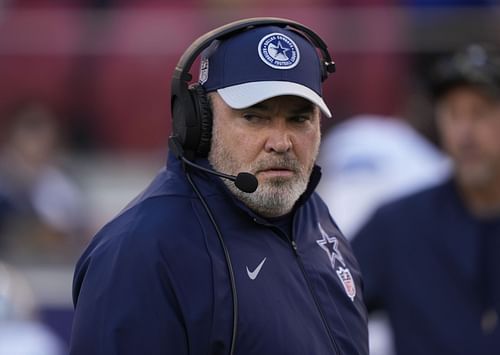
[248,94]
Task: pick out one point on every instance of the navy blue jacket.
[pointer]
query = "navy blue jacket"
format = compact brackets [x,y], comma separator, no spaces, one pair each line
[435,269]
[155,281]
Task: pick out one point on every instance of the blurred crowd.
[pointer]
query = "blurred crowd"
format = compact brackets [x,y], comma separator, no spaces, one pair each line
[42,210]
[83,80]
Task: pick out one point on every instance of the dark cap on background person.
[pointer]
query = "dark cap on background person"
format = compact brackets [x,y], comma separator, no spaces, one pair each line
[263,63]
[476,65]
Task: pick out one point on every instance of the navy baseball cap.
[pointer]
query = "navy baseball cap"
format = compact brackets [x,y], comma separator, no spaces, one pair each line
[476,65]
[262,63]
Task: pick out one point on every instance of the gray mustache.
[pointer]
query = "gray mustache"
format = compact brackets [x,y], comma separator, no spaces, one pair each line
[287,163]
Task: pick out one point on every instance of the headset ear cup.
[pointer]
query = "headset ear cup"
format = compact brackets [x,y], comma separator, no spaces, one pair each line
[204,115]
[183,117]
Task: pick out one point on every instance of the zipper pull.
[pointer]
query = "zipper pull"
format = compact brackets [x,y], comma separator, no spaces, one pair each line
[294,247]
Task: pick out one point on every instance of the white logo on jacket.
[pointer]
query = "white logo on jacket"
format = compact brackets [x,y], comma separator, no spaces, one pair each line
[330,245]
[253,274]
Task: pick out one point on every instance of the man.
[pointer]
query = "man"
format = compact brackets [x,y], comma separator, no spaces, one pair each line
[196,265]
[432,260]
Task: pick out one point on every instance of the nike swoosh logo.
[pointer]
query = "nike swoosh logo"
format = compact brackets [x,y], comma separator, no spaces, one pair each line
[253,274]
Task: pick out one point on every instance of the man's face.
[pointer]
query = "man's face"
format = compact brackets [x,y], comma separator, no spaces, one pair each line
[469,125]
[277,140]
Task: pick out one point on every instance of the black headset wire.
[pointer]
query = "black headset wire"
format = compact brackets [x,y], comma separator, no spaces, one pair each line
[226,256]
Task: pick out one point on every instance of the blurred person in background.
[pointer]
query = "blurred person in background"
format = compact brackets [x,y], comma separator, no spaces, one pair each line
[21,332]
[431,260]
[41,209]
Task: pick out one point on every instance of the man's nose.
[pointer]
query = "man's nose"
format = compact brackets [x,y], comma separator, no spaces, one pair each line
[279,139]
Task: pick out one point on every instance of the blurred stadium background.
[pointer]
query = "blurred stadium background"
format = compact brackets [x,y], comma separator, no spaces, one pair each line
[99,70]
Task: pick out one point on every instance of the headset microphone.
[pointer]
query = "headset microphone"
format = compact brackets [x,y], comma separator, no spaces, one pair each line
[246,182]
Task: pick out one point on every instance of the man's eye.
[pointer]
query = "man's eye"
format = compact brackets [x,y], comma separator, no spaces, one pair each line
[300,119]
[251,117]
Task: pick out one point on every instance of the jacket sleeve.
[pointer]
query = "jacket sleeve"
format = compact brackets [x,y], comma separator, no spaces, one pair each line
[125,303]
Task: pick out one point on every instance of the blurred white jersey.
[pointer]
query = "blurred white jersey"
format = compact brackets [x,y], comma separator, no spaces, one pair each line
[370,160]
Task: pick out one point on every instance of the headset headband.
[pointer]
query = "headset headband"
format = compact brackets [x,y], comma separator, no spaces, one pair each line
[193,51]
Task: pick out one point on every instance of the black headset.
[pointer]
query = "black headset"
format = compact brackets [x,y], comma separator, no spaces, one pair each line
[190,109]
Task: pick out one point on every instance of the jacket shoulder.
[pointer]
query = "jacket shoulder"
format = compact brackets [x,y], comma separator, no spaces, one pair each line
[152,220]
[413,204]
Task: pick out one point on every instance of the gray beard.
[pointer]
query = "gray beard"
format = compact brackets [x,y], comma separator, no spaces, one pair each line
[273,198]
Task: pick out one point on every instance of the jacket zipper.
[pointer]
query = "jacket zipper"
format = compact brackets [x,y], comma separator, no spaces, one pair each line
[318,306]
[333,343]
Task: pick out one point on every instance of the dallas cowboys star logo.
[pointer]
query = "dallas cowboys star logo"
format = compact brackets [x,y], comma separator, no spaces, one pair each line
[331,246]
[280,50]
